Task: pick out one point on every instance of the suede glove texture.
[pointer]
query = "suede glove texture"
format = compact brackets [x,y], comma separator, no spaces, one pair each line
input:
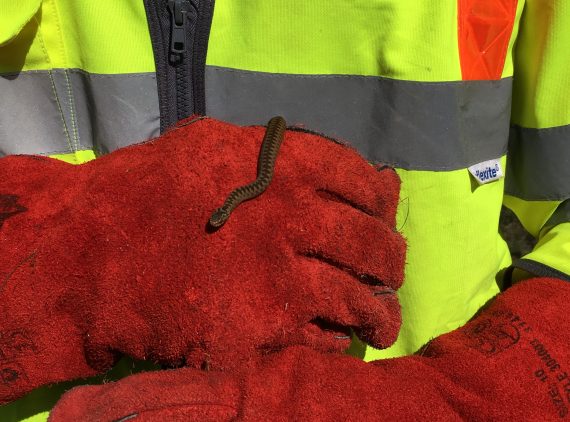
[510,363]
[114,257]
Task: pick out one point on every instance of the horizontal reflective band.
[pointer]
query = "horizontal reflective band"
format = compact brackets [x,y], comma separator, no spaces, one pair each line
[538,168]
[63,110]
[561,215]
[411,125]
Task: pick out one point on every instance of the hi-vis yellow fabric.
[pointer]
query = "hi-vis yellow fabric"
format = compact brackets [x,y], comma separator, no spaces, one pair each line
[100,37]
[536,213]
[540,100]
[447,246]
[13,17]
[77,157]
[403,40]
[103,37]
[455,254]
[540,92]
[553,248]
[397,39]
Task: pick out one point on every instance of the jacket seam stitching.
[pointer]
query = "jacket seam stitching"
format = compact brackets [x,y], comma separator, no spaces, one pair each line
[52,84]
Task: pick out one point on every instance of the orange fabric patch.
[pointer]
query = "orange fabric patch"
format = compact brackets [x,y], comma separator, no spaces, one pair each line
[485,28]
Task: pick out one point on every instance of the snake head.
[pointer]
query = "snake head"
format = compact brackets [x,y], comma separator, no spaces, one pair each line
[219,217]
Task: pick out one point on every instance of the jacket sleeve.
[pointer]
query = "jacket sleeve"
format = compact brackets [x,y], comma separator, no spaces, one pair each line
[537,184]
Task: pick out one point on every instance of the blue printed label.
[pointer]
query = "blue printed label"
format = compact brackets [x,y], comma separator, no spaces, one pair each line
[487,171]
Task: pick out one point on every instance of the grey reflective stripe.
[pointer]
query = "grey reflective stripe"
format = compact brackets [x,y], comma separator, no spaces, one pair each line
[411,125]
[65,110]
[539,164]
[561,215]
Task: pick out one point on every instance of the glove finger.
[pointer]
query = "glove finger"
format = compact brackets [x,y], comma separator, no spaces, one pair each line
[353,241]
[39,344]
[341,300]
[175,395]
[344,173]
[34,357]
[365,187]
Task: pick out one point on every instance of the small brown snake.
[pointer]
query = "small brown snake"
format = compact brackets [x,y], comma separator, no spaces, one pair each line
[266,164]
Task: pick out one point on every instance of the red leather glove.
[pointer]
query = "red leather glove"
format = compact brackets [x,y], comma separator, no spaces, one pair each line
[114,256]
[512,362]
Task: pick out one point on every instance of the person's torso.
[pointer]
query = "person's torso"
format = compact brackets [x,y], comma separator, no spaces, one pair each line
[422,86]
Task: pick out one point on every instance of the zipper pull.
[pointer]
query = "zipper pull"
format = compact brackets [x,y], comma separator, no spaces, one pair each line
[179,23]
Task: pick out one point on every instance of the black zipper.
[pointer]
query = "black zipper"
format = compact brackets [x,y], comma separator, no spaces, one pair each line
[179,30]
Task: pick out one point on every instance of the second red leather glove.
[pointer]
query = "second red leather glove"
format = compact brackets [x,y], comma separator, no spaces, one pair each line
[511,363]
[114,256]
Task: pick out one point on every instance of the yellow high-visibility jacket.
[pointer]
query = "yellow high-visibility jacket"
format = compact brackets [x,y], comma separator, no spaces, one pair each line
[468,99]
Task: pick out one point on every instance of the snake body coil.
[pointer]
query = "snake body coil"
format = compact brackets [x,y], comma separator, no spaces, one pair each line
[265,168]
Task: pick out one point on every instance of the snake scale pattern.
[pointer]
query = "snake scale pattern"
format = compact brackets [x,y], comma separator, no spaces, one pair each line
[266,164]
